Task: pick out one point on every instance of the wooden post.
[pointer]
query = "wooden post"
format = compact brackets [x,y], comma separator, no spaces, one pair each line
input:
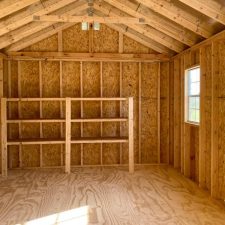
[184,156]
[215,123]
[158,114]
[121,105]
[139,112]
[131,134]
[1,77]
[101,110]
[4,137]
[41,111]
[19,113]
[68,135]
[202,127]
[81,114]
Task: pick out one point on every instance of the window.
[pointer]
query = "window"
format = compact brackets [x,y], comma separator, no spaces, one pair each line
[193,95]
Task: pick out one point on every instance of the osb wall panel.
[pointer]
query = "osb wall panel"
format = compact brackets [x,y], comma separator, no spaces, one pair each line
[49,44]
[206,63]
[171,113]
[177,114]
[132,46]
[91,88]
[75,40]
[164,111]
[43,78]
[105,41]
[130,88]
[193,136]
[149,101]
[50,76]
[111,88]
[221,141]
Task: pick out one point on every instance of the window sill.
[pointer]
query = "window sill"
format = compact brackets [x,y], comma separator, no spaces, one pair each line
[192,124]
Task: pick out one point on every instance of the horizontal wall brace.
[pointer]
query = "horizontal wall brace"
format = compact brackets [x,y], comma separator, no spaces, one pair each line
[64,56]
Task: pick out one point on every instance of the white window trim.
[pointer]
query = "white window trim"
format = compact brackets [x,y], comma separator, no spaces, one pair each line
[186,97]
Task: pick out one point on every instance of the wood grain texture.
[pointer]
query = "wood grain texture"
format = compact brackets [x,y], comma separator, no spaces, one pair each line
[152,195]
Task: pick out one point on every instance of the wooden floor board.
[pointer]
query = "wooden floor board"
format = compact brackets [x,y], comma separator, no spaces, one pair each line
[152,195]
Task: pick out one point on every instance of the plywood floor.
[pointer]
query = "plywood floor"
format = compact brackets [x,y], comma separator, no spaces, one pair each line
[153,195]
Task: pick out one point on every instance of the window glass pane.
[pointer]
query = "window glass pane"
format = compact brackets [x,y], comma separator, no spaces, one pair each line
[197,102]
[193,92]
[197,119]
[192,102]
[192,115]
[194,75]
[194,88]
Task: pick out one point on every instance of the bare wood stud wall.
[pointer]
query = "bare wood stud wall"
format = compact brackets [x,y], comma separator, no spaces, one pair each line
[3,137]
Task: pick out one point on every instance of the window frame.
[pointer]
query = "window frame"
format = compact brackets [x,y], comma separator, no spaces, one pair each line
[187,96]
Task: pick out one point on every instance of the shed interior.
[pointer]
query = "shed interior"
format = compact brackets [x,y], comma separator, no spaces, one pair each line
[94,126]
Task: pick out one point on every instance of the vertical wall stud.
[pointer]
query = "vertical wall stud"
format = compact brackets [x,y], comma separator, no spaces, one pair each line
[215,123]
[139,113]
[68,136]
[41,112]
[158,113]
[131,134]
[4,136]
[81,113]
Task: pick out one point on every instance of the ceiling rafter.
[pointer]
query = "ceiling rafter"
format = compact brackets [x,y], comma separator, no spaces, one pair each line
[26,16]
[41,35]
[156,21]
[33,27]
[208,8]
[143,29]
[38,36]
[178,15]
[138,37]
[46,32]
[10,6]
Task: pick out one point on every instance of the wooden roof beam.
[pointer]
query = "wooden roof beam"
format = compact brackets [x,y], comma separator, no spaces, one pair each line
[38,36]
[26,16]
[55,56]
[10,6]
[156,21]
[138,37]
[89,19]
[178,15]
[208,8]
[32,28]
[143,29]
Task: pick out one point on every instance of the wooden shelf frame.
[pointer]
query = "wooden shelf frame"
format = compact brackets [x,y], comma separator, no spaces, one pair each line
[68,139]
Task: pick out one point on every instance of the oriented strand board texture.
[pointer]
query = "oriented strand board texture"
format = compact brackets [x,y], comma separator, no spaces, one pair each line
[91,88]
[130,88]
[111,88]
[107,40]
[149,121]
[49,44]
[75,39]
[132,46]
[164,112]
[48,82]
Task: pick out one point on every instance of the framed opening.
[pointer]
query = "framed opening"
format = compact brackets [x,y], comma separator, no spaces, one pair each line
[192,95]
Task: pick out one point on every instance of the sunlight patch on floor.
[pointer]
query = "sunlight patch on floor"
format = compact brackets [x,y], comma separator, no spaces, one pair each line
[74,216]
